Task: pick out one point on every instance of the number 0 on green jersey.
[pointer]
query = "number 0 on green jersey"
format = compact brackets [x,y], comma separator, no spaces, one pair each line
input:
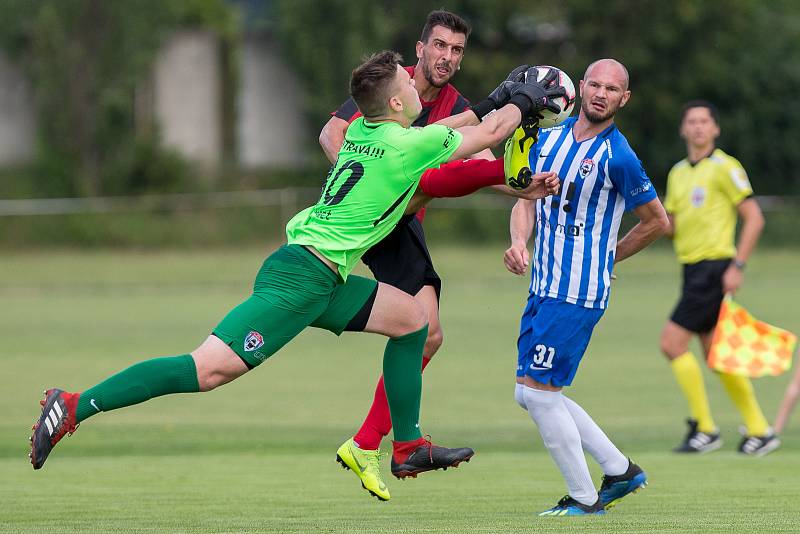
[368,188]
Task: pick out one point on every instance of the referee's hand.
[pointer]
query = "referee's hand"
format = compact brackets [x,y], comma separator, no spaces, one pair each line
[732,279]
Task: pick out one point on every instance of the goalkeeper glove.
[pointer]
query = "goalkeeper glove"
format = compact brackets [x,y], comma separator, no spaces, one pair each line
[531,97]
[502,93]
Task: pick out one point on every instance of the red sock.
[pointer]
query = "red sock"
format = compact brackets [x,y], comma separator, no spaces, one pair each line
[462,177]
[401,449]
[379,421]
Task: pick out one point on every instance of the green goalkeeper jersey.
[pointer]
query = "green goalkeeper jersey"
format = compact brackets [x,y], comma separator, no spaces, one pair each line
[368,188]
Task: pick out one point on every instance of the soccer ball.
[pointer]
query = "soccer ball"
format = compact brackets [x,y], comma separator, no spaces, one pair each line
[567,103]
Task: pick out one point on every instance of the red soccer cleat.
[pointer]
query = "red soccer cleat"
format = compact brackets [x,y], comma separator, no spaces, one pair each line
[57,419]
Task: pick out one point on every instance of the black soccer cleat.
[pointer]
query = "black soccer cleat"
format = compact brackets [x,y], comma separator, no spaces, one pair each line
[697,442]
[429,457]
[759,445]
[615,487]
[56,421]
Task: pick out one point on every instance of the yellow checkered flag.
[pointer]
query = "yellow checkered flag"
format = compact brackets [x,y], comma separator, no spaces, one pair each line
[745,346]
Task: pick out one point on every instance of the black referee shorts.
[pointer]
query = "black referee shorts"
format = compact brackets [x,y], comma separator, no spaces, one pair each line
[701,296]
[402,259]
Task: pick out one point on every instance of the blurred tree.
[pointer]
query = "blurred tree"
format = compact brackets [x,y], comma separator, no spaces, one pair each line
[85,59]
[742,55]
[326,40]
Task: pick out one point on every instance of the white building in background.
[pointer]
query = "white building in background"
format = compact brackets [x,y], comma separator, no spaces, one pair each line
[187,95]
[184,97]
[17,117]
[270,126]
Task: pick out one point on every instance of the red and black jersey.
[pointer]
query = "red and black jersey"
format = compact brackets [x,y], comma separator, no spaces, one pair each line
[448,102]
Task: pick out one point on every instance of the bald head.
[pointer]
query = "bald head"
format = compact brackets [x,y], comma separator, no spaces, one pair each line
[609,67]
[604,90]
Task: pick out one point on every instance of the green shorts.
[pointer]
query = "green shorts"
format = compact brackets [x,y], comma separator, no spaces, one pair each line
[293,290]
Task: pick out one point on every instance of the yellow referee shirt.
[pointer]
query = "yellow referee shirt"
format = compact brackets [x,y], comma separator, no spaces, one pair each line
[702,199]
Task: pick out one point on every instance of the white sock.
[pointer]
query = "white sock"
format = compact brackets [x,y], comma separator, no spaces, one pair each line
[519,396]
[595,441]
[562,440]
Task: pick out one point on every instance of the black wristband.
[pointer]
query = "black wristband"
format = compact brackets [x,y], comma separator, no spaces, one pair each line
[739,264]
[522,102]
[483,108]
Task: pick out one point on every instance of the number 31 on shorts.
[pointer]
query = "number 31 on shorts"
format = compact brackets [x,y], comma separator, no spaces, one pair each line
[543,356]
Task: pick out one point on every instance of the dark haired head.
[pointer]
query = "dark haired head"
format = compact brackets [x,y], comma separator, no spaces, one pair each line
[371,82]
[712,109]
[447,19]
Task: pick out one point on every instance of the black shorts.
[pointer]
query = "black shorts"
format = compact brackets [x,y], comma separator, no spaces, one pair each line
[402,259]
[701,296]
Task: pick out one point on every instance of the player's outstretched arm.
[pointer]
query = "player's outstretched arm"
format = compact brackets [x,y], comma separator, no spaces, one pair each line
[465,118]
[475,115]
[525,99]
[653,223]
[491,132]
[516,257]
[331,137]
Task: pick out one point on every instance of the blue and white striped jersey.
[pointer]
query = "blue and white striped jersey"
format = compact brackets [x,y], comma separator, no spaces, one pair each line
[576,232]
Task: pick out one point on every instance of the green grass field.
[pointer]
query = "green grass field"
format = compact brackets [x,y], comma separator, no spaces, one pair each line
[258,454]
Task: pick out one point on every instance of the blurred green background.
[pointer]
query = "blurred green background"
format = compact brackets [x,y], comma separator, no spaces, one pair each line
[87,65]
[84,60]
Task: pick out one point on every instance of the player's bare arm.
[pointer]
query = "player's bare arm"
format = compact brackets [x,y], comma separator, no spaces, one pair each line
[752,225]
[465,118]
[519,100]
[479,136]
[516,257]
[496,99]
[331,137]
[653,223]
[467,121]
[491,132]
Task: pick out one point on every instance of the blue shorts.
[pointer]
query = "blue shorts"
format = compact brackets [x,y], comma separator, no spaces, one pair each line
[553,335]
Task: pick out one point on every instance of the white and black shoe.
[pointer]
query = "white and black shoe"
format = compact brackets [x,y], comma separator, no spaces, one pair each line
[758,445]
[697,442]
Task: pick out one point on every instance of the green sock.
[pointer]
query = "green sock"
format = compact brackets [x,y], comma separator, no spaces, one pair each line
[402,378]
[138,383]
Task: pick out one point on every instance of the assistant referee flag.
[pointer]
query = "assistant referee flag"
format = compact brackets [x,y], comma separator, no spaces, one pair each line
[745,346]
